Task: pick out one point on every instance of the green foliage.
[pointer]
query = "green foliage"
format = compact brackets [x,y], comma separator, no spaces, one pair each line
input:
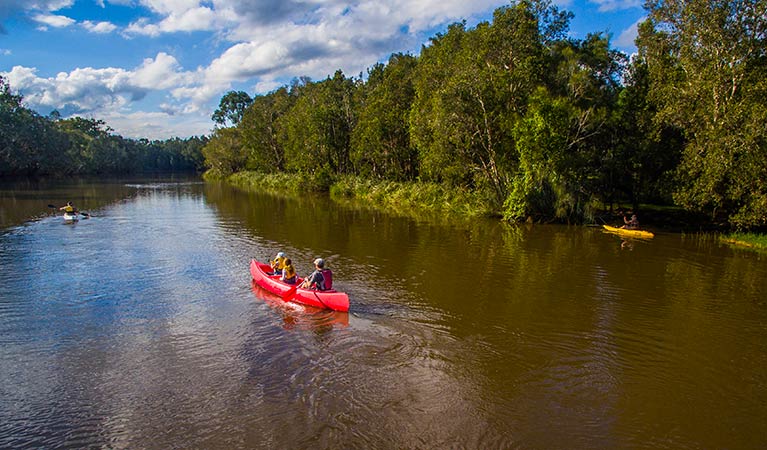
[316,131]
[22,131]
[34,145]
[534,123]
[471,89]
[224,154]
[414,199]
[279,183]
[562,139]
[707,64]
[261,133]
[231,108]
[754,240]
[640,162]
[380,143]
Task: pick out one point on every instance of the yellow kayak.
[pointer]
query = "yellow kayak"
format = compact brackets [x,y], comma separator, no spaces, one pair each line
[629,233]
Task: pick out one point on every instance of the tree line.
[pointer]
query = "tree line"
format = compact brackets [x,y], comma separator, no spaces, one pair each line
[32,145]
[538,123]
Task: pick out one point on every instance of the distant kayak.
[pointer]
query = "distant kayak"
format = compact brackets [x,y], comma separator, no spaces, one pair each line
[71,217]
[330,299]
[629,233]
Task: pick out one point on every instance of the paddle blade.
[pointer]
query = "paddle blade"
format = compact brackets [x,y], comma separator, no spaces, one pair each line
[51,206]
[290,292]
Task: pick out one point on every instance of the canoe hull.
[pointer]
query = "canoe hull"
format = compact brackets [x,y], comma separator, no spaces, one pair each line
[629,233]
[71,217]
[332,299]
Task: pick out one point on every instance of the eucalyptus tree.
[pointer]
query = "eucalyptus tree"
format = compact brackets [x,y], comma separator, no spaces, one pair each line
[641,160]
[315,132]
[472,87]
[224,153]
[83,155]
[564,135]
[380,143]
[260,132]
[231,108]
[707,60]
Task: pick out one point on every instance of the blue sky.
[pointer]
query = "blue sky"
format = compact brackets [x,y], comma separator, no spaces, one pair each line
[158,68]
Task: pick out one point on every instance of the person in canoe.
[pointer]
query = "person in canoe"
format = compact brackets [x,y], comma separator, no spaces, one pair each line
[631,224]
[289,272]
[278,263]
[321,279]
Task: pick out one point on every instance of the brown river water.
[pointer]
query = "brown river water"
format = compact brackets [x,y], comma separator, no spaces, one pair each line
[139,327]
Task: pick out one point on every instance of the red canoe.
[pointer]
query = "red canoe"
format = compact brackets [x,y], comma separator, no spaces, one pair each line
[330,299]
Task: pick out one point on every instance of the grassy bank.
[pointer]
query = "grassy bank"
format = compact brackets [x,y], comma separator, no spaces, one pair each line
[752,240]
[410,198]
[414,199]
[429,200]
[277,183]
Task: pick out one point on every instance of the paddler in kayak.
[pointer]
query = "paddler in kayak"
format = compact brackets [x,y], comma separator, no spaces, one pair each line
[278,263]
[68,208]
[321,279]
[632,224]
[288,272]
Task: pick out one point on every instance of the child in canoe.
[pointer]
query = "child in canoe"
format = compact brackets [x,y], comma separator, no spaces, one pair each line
[278,263]
[289,272]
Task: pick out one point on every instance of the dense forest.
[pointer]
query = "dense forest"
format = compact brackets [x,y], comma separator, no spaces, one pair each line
[537,123]
[32,145]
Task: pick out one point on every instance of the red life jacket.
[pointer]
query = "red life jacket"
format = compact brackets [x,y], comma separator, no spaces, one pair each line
[328,276]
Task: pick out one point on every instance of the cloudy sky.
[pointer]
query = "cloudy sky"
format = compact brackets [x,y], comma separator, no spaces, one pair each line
[158,68]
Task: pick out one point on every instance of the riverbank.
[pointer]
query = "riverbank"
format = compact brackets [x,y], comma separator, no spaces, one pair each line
[429,199]
[750,240]
[412,199]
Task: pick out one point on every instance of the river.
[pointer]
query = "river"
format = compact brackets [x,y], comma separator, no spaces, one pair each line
[139,327]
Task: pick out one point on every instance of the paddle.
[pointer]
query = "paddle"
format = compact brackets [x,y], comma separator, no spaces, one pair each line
[290,292]
[84,214]
[320,300]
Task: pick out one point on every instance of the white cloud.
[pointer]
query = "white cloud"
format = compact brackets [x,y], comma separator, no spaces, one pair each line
[616,5]
[282,39]
[48,5]
[110,94]
[53,20]
[198,19]
[171,7]
[89,90]
[162,72]
[629,35]
[275,41]
[266,86]
[99,27]
[143,27]
[157,125]
[195,19]
[265,43]
[5,52]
